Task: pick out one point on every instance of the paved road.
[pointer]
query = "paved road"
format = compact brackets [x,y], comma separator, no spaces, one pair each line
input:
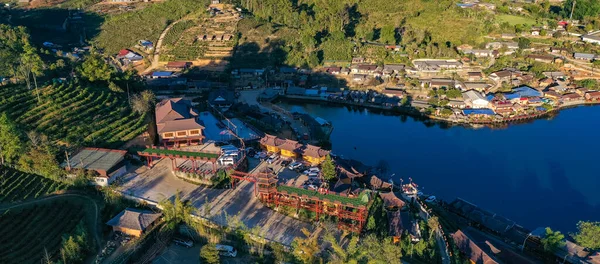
[438,236]
[56,196]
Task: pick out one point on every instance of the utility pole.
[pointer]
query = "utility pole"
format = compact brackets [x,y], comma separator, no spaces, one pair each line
[68,162]
[128,97]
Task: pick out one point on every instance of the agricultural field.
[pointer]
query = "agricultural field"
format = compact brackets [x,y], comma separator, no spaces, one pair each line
[70,113]
[514,20]
[26,234]
[17,185]
[181,43]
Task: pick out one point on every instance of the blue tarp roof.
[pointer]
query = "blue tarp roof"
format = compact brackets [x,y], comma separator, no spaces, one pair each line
[162,73]
[526,91]
[510,96]
[541,109]
[478,112]
[489,97]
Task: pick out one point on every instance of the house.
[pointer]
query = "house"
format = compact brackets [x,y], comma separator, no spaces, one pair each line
[535,31]
[478,86]
[134,222]
[545,58]
[289,148]
[464,47]
[595,38]
[332,70]
[345,71]
[436,65]
[162,74]
[502,107]
[393,205]
[221,98]
[555,75]
[146,44]
[109,164]
[584,56]
[545,82]
[474,99]
[552,95]
[390,69]
[571,97]
[130,55]
[581,91]
[501,76]
[474,76]
[526,91]
[177,65]
[440,83]
[227,37]
[593,96]
[287,71]
[480,53]
[364,68]
[471,250]
[499,45]
[558,50]
[457,104]
[177,122]
[393,92]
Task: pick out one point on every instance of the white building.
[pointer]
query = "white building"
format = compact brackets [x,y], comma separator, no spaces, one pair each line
[474,99]
[591,38]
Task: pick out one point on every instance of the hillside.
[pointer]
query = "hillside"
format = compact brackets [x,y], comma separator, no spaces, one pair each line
[73,114]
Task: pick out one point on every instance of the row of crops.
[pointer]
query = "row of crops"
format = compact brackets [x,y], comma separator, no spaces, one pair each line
[17,185]
[25,235]
[74,114]
[175,33]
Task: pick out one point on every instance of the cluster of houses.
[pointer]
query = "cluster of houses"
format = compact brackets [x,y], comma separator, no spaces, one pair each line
[360,72]
[127,57]
[217,37]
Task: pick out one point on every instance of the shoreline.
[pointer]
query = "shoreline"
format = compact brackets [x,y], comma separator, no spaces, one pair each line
[415,113]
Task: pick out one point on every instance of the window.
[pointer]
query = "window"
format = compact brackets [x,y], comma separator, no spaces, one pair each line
[194,132]
[168,135]
[181,133]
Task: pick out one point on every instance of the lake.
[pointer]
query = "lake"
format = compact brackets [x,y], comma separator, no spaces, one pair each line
[543,173]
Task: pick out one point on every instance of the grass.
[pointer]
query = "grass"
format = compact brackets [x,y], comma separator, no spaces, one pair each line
[26,234]
[72,113]
[355,201]
[514,20]
[17,186]
[180,153]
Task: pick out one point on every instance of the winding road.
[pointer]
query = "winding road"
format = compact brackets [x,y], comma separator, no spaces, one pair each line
[156,57]
[94,224]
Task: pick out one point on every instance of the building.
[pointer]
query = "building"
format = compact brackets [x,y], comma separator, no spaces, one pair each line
[177,65]
[221,98]
[162,74]
[584,56]
[391,92]
[134,222]
[545,58]
[109,164]
[474,76]
[129,55]
[391,69]
[593,96]
[477,86]
[471,250]
[526,91]
[177,122]
[474,99]
[293,149]
[508,36]
[502,76]
[591,38]
[436,65]
[480,53]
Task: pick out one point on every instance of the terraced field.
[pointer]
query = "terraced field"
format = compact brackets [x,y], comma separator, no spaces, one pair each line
[17,185]
[26,234]
[74,114]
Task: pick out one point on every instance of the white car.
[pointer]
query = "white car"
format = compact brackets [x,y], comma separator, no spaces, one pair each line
[227,251]
[312,170]
[294,165]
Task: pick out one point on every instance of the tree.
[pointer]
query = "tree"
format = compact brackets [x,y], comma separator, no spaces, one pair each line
[209,254]
[433,223]
[306,249]
[176,212]
[588,234]
[143,102]
[328,168]
[388,34]
[523,43]
[553,240]
[30,66]
[10,143]
[94,68]
[114,87]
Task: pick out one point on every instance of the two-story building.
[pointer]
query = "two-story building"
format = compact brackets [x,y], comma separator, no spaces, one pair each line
[177,123]
[292,149]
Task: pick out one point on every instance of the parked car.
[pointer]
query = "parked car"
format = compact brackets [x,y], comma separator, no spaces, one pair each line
[226,250]
[312,170]
[285,163]
[294,165]
[313,175]
[311,187]
[430,199]
[272,158]
[183,242]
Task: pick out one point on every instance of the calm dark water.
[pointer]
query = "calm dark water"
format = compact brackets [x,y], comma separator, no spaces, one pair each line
[544,173]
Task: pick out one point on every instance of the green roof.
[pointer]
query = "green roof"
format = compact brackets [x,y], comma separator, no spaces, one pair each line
[361,200]
[180,153]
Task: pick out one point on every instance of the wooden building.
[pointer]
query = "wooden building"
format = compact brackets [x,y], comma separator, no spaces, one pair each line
[177,123]
[134,222]
[293,149]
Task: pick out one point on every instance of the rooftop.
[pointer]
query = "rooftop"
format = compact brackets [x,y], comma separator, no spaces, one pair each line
[135,219]
[193,154]
[96,159]
[361,200]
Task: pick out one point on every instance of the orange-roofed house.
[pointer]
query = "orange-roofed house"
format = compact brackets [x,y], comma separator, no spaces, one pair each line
[177,123]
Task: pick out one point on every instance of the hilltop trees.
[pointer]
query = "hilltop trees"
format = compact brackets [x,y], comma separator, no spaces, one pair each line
[94,68]
[553,240]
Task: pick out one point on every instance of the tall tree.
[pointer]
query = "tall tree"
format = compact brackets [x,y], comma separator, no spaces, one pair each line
[31,66]
[94,68]
[328,168]
[10,140]
[306,249]
[588,234]
[433,223]
[176,212]
[143,102]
